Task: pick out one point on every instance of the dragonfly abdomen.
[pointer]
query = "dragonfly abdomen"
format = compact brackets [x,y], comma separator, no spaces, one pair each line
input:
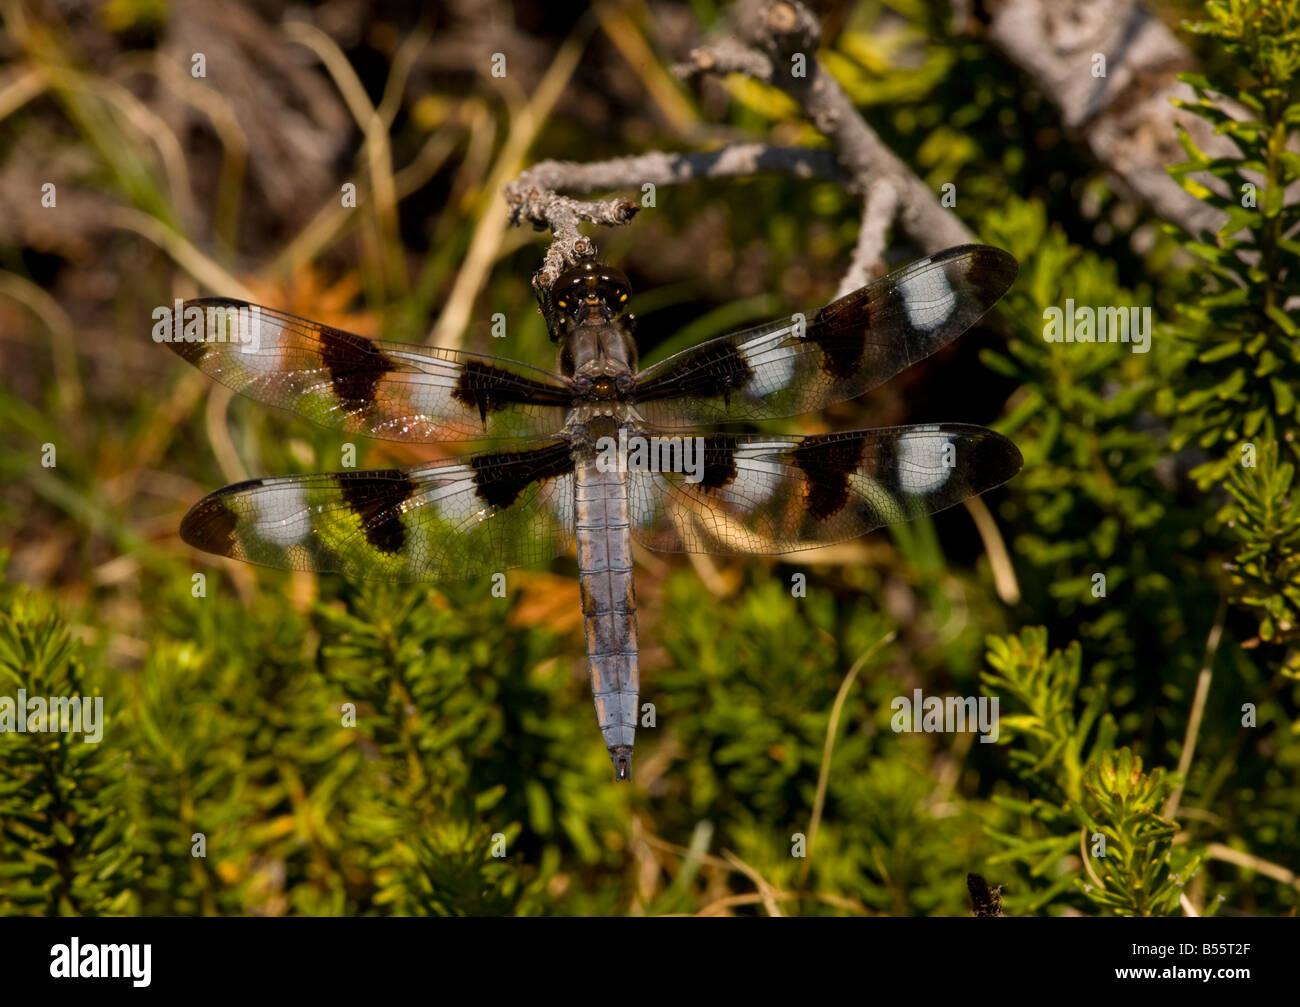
[608,605]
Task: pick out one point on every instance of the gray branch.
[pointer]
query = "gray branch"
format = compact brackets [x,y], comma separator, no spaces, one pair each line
[543,207]
[1120,110]
[535,195]
[879,209]
[726,56]
[779,48]
[770,37]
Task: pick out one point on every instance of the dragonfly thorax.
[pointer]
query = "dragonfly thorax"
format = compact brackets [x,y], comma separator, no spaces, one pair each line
[597,354]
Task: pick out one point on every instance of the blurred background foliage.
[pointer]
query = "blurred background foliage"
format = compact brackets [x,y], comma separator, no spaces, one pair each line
[473,730]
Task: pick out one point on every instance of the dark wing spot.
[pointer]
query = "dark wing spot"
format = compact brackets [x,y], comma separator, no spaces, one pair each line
[376,498]
[990,271]
[193,351]
[991,458]
[501,476]
[488,388]
[841,333]
[210,523]
[719,461]
[712,371]
[355,365]
[827,461]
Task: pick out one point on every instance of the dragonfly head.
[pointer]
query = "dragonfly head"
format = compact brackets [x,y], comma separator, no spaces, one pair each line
[591,292]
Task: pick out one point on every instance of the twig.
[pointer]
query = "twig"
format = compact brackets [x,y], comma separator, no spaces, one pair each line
[1125,118]
[780,44]
[659,168]
[879,207]
[727,56]
[771,36]
[562,214]
[535,197]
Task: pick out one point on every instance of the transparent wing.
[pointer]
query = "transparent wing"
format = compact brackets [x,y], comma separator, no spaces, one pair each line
[364,386]
[796,365]
[454,519]
[761,494]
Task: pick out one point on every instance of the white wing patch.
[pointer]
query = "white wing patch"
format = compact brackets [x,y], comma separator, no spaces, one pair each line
[257,342]
[432,372]
[562,501]
[771,361]
[283,515]
[642,488]
[758,478]
[928,298]
[455,496]
[926,460]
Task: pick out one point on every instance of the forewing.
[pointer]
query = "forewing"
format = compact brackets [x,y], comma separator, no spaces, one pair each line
[850,346]
[364,386]
[762,494]
[450,520]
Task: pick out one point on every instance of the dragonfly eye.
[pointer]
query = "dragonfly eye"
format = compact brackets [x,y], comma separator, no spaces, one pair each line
[591,286]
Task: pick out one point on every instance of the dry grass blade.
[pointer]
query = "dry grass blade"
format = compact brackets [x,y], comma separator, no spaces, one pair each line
[1218,851]
[769,894]
[67,379]
[205,271]
[1198,710]
[20,87]
[379,157]
[1004,571]
[823,776]
[491,228]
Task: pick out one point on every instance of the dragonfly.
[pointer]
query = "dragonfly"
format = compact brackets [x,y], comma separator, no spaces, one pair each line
[600,452]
